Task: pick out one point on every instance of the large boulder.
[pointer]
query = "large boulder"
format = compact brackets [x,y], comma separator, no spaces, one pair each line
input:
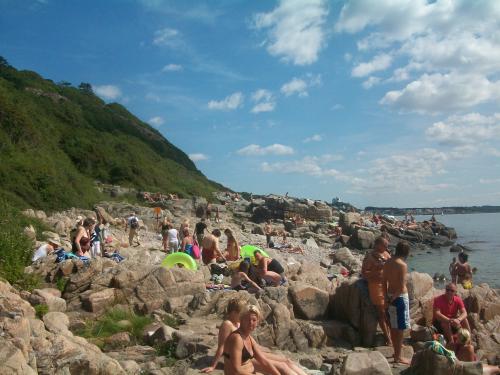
[347,221]
[344,256]
[419,284]
[49,297]
[97,302]
[13,361]
[366,363]
[309,302]
[362,239]
[351,304]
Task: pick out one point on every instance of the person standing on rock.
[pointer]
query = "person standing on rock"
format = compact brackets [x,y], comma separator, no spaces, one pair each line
[133,223]
[199,230]
[84,231]
[372,271]
[395,272]
[268,231]
[210,247]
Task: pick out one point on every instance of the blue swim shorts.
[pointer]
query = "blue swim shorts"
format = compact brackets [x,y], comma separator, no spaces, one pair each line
[399,312]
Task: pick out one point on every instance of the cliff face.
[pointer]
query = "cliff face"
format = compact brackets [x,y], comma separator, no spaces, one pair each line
[56,140]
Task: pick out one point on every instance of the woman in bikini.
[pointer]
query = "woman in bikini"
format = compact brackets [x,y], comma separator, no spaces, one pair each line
[233,248]
[231,325]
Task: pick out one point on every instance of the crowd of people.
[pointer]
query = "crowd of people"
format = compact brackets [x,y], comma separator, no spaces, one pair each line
[385,276]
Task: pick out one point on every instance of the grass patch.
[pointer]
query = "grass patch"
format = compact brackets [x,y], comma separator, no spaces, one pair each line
[41,310]
[28,282]
[114,321]
[167,350]
[171,320]
[61,284]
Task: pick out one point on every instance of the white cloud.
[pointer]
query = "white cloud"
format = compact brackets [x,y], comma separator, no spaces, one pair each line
[156,121]
[109,92]
[231,102]
[379,62]
[166,37]
[309,165]
[443,92]
[172,68]
[296,32]
[198,157]
[314,138]
[300,86]
[295,86]
[370,82]
[264,107]
[265,101]
[466,129]
[405,172]
[453,46]
[274,149]
[262,94]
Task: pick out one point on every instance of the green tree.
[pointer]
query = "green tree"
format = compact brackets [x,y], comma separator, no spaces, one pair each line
[86,87]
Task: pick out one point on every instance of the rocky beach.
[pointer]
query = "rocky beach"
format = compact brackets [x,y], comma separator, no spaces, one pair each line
[320,318]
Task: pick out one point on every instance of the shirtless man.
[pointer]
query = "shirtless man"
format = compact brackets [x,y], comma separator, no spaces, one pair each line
[372,272]
[395,271]
[210,247]
[270,269]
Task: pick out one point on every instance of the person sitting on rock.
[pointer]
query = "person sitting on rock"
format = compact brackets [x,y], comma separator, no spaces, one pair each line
[46,249]
[231,324]
[372,272]
[233,248]
[449,313]
[241,281]
[210,247]
[270,269]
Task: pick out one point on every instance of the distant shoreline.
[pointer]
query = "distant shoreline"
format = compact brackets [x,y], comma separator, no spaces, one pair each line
[433,211]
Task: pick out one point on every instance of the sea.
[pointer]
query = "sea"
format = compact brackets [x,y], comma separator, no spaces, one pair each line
[480,232]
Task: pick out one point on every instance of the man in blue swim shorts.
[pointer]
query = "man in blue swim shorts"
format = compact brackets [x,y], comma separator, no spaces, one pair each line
[395,271]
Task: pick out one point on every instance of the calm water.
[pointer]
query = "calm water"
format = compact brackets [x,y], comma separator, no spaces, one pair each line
[480,232]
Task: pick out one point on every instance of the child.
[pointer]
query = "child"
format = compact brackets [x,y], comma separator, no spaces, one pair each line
[241,281]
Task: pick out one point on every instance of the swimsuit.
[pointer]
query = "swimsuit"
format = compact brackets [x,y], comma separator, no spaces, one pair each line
[399,312]
[245,354]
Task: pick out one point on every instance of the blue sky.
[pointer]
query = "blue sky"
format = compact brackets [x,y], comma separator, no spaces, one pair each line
[388,103]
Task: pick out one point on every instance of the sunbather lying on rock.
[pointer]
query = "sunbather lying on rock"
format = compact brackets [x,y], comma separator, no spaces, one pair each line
[235,308]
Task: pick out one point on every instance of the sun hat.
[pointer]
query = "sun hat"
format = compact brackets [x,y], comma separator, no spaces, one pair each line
[54,242]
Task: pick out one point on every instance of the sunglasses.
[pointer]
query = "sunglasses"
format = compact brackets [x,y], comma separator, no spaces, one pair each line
[451,290]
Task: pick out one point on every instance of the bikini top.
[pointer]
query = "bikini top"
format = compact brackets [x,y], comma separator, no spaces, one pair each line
[245,354]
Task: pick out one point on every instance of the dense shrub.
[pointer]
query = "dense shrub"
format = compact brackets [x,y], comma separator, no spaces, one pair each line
[16,248]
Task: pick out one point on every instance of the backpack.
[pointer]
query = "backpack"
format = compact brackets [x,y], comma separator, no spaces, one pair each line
[195,250]
[134,223]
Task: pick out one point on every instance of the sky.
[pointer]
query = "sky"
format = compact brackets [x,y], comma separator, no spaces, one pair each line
[376,102]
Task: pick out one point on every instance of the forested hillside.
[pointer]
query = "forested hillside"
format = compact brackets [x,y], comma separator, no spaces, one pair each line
[56,140]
